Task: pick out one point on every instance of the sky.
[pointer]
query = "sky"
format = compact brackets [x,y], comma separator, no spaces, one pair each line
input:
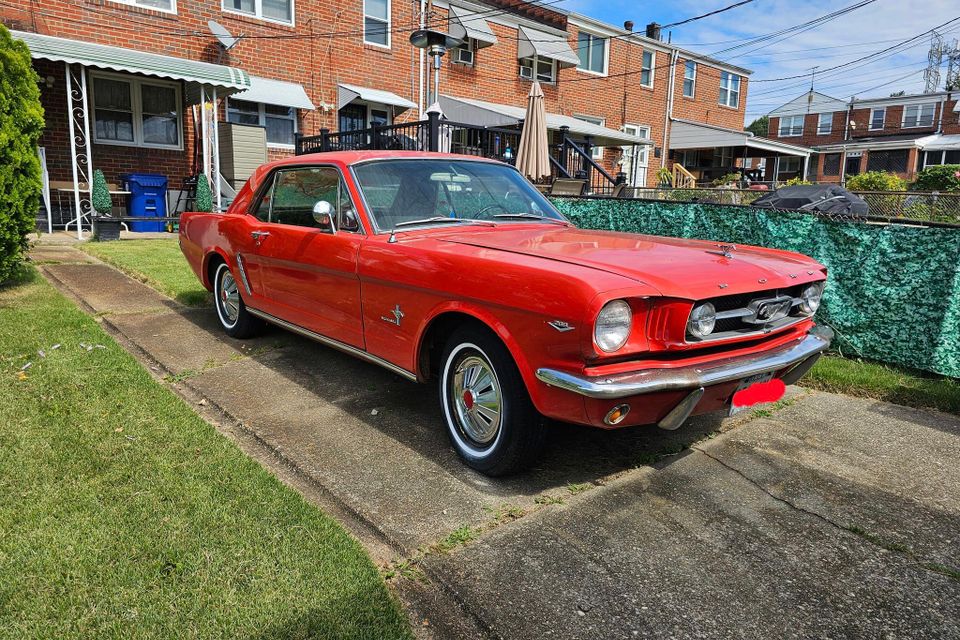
[869,29]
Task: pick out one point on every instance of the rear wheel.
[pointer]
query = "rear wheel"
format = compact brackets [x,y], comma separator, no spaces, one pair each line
[233,314]
[490,419]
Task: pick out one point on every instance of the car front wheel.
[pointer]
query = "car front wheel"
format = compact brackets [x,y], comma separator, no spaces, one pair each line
[490,419]
[233,314]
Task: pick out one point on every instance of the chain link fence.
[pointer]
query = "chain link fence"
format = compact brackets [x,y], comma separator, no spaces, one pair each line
[901,205]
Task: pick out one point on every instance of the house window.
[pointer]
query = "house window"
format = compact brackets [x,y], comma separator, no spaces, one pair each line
[790,126]
[376,22]
[918,115]
[689,78]
[465,53]
[877,116]
[931,158]
[276,10]
[135,112]
[169,6]
[831,164]
[824,124]
[544,69]
[280,122]
[646,69]
[729,89]
[894,161]
[789,165]
[592,50]
[596,152]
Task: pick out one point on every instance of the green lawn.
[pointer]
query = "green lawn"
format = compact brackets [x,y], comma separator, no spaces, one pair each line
[123,514]
[158,263]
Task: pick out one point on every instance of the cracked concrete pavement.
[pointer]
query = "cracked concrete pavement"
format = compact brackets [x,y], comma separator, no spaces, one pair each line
[832,517]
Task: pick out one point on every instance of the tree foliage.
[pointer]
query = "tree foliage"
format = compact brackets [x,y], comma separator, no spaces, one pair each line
[101,194]
[21,123]
[876,181]
[943,177]
[760,126]
[204,201]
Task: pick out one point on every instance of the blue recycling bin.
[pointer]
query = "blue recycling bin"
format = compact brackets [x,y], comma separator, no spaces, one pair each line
[147,199]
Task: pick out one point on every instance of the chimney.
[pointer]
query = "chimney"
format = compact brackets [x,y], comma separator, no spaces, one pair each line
[628,25]
[653,31]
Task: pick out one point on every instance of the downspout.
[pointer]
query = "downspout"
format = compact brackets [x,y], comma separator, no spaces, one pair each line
[943,105]
[422,54]
[674,54]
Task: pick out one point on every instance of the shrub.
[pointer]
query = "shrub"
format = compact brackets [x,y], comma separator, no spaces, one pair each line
[21,123]
[792,182]
[204,201]
[942,177]
[726,179]
[876,181]
[101,195]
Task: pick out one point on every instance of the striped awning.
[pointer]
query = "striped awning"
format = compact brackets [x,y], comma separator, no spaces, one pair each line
[101,56]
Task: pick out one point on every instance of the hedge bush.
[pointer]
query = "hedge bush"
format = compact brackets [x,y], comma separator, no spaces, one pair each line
[876,181]
[942,177]
[21,123]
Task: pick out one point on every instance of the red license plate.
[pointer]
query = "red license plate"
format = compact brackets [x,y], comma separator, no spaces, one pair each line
[757,390]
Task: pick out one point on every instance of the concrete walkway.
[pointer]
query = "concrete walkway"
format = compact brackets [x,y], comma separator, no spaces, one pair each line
[831,517]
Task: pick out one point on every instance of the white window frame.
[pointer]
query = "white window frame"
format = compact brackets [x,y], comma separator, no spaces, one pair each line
[262,112]
[692,79]
[642,158]
[729,77]
[883,119]
[535,60]
[136,105]
[258,12]
[596,152]
[820,128]
[919,107]
[651,68]
[785,130]
[389,27]
[137,3]
[606,53]
[469,45]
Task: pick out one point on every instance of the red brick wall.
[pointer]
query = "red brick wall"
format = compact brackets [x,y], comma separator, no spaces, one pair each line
[319,62]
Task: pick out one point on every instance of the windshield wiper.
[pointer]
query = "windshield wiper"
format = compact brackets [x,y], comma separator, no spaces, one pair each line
[444,219]
[528,215]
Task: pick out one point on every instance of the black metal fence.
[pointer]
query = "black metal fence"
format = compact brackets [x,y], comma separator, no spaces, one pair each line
[569,158]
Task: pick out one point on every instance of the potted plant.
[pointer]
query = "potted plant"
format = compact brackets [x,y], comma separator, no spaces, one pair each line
[105,226]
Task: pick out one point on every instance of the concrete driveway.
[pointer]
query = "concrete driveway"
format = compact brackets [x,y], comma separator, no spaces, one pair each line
[830,517]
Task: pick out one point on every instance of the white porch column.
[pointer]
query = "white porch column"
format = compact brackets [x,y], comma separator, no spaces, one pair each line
[806,165]
[73,148]
[204,132]
[215,152]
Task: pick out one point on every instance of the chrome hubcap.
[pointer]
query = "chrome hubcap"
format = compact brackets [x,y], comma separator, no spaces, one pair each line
[229,297]
[476,397]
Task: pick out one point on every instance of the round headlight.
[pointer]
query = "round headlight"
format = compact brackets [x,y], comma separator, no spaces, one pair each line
[703,318]
[613,325]
[810,298]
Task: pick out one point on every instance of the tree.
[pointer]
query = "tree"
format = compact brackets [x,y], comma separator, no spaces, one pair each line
[204,199]
[21,123]
[760,126]
[101,195]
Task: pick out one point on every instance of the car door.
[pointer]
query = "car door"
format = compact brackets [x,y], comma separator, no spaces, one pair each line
[309,268]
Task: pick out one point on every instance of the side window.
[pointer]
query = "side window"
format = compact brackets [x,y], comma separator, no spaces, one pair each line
[263,209]
[296,191]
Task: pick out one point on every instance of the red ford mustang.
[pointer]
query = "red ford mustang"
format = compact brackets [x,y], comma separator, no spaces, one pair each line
[456,268]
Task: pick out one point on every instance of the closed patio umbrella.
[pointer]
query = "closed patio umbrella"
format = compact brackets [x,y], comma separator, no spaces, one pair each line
[533,158]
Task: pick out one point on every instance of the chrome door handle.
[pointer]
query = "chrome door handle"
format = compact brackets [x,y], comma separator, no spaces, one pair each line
[256,235]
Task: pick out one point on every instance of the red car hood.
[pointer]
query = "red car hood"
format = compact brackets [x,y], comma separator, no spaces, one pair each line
[691,269]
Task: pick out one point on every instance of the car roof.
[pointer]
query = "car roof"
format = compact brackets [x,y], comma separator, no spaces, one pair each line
[353,157]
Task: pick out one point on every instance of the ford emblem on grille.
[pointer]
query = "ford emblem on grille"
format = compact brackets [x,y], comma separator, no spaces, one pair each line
[767,310]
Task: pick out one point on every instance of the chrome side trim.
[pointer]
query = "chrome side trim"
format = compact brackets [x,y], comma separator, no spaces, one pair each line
[335,344]
[634,383]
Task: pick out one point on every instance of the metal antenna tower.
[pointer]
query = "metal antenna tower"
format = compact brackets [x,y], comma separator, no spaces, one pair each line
[931,75]
[952,83]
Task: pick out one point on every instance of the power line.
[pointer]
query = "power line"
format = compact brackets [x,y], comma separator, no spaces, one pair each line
[707,15]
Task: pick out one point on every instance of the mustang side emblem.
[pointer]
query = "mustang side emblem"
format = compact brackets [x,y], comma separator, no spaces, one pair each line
[397,316]
[561,325]
[724,250]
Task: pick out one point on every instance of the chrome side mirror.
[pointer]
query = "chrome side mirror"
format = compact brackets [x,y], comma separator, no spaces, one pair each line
[323,216]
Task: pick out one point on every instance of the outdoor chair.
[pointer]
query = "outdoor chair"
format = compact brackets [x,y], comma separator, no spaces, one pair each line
[568,187]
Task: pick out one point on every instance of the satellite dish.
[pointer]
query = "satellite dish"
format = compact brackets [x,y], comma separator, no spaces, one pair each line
[227,41]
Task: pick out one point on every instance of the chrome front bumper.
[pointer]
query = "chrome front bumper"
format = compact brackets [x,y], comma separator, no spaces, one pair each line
[800,355]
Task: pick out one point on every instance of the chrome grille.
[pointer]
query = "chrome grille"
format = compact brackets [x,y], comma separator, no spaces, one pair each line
[736,316]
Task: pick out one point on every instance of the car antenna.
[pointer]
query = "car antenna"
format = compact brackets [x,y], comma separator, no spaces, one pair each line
[393,236]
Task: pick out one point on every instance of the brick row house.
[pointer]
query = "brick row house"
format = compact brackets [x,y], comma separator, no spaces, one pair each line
[900,134]
[146,86]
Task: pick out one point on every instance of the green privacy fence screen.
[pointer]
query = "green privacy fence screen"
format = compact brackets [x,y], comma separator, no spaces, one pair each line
[893,293]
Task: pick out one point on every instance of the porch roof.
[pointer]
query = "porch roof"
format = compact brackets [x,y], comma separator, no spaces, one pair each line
[685,134]
[103,56]
[489,114]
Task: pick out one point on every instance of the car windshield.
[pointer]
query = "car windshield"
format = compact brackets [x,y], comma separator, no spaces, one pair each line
[410,192]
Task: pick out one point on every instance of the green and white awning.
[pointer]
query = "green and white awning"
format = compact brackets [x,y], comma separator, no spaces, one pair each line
[101,56]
